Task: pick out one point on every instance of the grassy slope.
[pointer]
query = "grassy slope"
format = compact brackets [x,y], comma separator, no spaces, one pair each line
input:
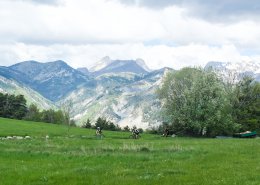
[73,159]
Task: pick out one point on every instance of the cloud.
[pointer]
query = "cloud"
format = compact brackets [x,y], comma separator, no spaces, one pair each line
[77,22]
[220,11]
[46,2]
[152,3]
[156,56]
[81,32]
[101,21]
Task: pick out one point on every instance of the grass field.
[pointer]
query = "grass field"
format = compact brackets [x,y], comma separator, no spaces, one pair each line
[78,157]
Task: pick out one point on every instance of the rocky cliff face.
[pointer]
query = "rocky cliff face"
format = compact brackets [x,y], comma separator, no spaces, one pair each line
[124,98]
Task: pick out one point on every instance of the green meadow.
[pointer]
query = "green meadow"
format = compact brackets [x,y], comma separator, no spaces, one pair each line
[75,156]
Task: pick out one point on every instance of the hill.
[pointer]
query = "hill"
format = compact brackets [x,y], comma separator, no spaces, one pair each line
[13,87]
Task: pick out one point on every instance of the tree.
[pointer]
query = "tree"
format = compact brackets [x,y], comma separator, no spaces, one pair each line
[33,113]
[48,116]
[2,102]
[140,130]
[87,124]
[106,125]
[19,107]
[196,103]
[66,111]
[100,123]
[126,128]
[246,104]
[58,117]
[12,106]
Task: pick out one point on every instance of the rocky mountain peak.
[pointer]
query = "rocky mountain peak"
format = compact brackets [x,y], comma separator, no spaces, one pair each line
[105,61]
[235,70]
[106,65]
[141,63]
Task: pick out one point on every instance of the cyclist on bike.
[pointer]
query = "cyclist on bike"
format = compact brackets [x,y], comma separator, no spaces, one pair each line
[166,132]
[98,131]
[135,133]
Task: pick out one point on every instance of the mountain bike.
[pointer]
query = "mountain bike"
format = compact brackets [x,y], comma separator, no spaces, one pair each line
[135,136]
[99,135]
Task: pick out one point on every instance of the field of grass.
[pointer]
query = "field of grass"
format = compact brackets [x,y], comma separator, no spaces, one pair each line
[78,157]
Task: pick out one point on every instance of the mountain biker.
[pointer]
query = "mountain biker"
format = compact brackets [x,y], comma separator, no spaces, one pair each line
[135,133]
[166,132]
[98,131]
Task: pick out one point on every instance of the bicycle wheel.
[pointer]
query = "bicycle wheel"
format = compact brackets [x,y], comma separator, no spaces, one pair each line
[99,136]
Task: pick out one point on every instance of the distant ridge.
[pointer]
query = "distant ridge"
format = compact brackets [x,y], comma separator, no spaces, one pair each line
[52,79]
[236,70]
[106,65]
[123,91]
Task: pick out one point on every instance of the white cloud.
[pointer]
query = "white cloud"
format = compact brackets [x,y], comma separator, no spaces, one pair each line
[81,32]
[156,56]
[220,11]
[78,21]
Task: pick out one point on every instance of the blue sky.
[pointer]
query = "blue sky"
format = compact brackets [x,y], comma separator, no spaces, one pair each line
[173,33]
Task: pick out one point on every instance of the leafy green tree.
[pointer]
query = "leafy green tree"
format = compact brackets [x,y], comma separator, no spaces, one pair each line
[72,123]
[48,116]
[12,106]
[196,103]
[8,106]
[58,117]
[246,104]
[33,113]
[19,107]
[2,101]
[67,111]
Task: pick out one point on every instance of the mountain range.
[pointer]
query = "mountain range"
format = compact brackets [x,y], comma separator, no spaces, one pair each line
[122,91]
[235,71]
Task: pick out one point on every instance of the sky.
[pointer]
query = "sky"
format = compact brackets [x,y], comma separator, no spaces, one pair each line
[172,33]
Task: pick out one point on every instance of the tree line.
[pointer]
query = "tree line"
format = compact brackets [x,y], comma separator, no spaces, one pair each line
[48,116]
[198,102]
[15,107]
[105,124]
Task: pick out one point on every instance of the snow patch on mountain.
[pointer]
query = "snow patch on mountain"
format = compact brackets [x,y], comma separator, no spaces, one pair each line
[233,72]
